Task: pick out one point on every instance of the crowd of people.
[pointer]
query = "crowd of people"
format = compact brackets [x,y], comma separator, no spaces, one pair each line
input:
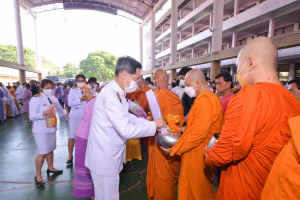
[255,121]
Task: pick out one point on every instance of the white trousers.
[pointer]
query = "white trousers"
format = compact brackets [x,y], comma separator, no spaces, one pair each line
[20,107]
[106,187]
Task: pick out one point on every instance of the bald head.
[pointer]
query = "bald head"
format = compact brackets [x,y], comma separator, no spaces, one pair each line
[161,79]
[196,79]
[259,59]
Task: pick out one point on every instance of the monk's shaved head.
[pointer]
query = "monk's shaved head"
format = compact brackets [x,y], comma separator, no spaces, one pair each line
[196,75]
[161,79]
[257,61]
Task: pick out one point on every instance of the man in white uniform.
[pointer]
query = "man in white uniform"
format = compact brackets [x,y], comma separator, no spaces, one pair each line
[19,93]
[110,128]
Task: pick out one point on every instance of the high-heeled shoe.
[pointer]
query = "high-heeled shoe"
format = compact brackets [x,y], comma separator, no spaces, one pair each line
[54,172]
[69,161]
[39,183]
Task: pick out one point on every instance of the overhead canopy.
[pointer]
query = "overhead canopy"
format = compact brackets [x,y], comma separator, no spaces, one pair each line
[136,8]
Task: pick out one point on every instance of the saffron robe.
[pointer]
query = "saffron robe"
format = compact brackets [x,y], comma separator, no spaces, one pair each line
[254,132]
[205,119]
[284,179]
[163,170]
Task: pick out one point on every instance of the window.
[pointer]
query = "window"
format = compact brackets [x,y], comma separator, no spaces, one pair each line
[288,29]
[283,72]
[265,34]
[224,46]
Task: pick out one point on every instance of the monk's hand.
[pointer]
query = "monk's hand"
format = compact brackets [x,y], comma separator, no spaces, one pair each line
[166,151]
[160,122]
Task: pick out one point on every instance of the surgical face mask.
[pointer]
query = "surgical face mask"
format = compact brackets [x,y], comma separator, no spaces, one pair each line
[80,85]
[68,87]
[242,79]
[190,91]
[182,83]
[132,87]
[48,91]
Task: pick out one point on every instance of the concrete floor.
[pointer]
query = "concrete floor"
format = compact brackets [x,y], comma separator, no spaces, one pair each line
[17,169]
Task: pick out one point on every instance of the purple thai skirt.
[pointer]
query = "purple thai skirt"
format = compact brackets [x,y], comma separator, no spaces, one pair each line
[83,183]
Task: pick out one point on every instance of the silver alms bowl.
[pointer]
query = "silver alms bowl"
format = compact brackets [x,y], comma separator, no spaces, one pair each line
[166,141]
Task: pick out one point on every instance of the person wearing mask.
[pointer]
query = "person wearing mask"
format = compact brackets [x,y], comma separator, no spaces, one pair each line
[92,84]
[176,90]
[19,92]
[8,86]
[33,88]
[294,87]
[77,101]
[59,93]
[223,85]
[45,137]
[111,126]
[26,99]
[66,92]
[149,84]
[10,102]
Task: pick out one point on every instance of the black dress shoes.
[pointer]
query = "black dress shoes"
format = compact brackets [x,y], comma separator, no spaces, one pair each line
[39,183]
[54,172]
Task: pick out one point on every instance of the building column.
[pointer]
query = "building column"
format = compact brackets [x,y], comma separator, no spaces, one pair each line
[38,63]
[172,75]
[209,47]
[271,27]
[296,26]
[162,46]
[232,72]
[291,71]
[236,7]
[233,40]
[39,77]
[180,14]
[216,44]
[193,29]
[162,62]
[180,36]
[192,53]
[194,4]
[152,39]
[173,40]
[179,56]
[151,76]
[208,73]
[141,46]
[210,19]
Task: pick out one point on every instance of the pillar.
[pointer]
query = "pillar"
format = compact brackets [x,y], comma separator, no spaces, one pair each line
[162,62]
[209,47]
[236,7]
[20,50]
[193,29]
[192,53]
[210,19]
[208,73]
[162,46]
[296,26]
[291,71]
[214,69]
[232,72]
[151,76]
[152,39]
[180,36]
[179,56]
[172,75]
[173,40]
[180,14]
[141,45]
[38,63]
[39,77]
[22,76]
[233,40]
[271,27]
[194,4]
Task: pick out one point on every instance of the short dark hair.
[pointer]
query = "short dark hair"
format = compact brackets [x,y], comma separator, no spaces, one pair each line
[148,79]
[45,82]
[173,84]
[92,80]
[80,75]
[226,77]
[207,78]
[128,64]
[296,81]
[184,71]
[27,85]
[177,82]
[58,84]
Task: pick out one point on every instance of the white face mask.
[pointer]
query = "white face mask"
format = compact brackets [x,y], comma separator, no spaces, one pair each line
[190,91]
[47,91]
[182,83]
[132,87]
[80,85]
[68,87]
[208,84]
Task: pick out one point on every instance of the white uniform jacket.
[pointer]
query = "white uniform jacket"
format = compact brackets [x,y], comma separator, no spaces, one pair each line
[37,105]
[74,102]
[8,96]
[111,126]
[19,92]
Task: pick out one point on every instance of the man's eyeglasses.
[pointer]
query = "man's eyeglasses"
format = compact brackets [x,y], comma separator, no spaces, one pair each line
[136,80]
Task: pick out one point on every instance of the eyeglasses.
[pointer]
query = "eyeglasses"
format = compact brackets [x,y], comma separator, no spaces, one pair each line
[136,80]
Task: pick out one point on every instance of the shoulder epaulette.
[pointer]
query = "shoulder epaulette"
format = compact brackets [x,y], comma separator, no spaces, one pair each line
[74,87]
[37,95]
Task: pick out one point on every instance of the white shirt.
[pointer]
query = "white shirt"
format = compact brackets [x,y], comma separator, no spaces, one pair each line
[19,92]
[152,87]
[110,128]
[92,89]
[8,96]
[176,90]
[74,102]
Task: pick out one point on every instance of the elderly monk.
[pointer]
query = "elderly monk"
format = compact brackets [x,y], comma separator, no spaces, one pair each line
[205,119]
[163,170]
[140,97]
[283,180]
[256,124]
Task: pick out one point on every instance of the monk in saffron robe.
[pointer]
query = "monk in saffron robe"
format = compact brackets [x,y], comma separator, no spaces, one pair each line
[204,120]
[140,97]
[163,170]
[256,124]
[283,180]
